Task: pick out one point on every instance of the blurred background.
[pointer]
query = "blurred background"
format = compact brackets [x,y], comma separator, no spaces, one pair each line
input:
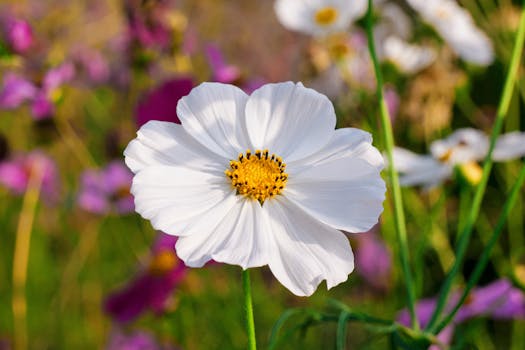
[80,270]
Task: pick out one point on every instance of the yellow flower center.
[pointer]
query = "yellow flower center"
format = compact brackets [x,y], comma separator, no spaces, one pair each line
[163,262]
[258,176]
[326,16]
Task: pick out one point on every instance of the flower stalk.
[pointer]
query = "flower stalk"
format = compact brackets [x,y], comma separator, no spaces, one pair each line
[21,255]
[399,215]
[248,308]
[466,233]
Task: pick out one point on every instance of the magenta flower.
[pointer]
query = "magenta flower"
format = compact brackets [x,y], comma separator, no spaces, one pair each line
[229,74]
[373,260]
[15,174]
[497,300]
[94,65]
[147,27]
[135,340]
[151,288]
[107,190]
[15,91]
[19,35]
[222,72]
[161,103]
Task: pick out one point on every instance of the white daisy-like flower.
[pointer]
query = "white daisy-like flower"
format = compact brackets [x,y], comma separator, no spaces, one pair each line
[319,17]
[457,28]
[463,148]
[259,180]
[391,35]
[408,58]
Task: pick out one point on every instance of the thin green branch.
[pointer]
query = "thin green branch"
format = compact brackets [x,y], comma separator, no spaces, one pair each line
[464,238]
[399,215]
[485,256]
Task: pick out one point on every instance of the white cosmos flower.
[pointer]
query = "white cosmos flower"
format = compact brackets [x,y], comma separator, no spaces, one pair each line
[281,204]
[391,35]
[409,58]
[465,147]
[319,17]
[457,28]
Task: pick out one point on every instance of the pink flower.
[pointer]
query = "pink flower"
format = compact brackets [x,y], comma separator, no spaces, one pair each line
[152,287]
[107,190]
[15,174]
[161,102]
[19,35]
[15,91]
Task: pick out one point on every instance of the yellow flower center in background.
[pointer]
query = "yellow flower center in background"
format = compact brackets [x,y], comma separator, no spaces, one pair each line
[326,16]
[163,262]
[258,176]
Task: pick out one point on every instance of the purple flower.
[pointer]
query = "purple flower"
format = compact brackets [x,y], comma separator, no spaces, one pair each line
[373,260]
[107,190]
[15,174]
[161,103]
[95,66]
[222,72]
[424,310]
[147,27]
[135,340]
[152,287]
[58,76]
[497,300]
[19,35]
[15,91]
[42,107]
[229,74]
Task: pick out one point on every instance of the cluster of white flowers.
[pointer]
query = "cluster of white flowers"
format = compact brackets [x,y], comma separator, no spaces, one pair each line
[259,180]
[394,28]
[457,28]
[464,147]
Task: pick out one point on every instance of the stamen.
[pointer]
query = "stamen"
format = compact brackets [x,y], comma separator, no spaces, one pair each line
[326,16]
[260,177]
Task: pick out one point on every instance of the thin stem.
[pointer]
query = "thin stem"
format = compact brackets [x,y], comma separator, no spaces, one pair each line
[399,215]
[483,260]
[250,326]
[464,238]
[21,255]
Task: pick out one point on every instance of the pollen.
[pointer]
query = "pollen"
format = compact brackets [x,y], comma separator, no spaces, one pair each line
[326,16]
[257,175]
[163,262]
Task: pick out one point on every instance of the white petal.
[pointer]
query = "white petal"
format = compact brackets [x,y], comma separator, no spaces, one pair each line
[343,189]
[240,238]
[299,15]
[416,169]
[175,198]
[290,120]
[456,26]
[213,114]
[509,146]
[462,146]
[164,143]
[407,57]
[345,142]
[306,251]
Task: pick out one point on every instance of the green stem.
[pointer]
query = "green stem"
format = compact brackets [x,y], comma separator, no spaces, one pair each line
[250,327]
[399,215]
[482,262]
[464,238]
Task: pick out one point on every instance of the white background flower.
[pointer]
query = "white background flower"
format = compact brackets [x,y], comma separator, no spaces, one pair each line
[319,17]
[333,182]
[464,146]
[457,28]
